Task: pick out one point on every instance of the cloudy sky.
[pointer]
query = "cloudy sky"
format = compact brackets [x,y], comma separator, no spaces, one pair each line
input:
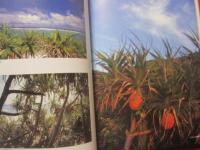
[149,20]
[67,14]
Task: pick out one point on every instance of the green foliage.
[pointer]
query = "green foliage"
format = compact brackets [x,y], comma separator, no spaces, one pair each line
[25,44]
[168,82]
[39,102]
[67,44]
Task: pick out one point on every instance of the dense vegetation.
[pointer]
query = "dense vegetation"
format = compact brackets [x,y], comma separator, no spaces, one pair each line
[21,43]
[48,110]
[147,103]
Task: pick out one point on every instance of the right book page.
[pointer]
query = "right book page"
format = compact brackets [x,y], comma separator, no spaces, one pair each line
[197,3]
[147,74]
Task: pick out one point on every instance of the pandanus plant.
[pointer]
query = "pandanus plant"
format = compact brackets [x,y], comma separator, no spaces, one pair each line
[29,42]
[62,44]
[167,101]
[7,44]
[123,85]
[66,45]
[173,99]
[161,94]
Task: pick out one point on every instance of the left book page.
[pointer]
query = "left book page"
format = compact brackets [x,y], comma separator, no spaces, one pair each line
[46,93]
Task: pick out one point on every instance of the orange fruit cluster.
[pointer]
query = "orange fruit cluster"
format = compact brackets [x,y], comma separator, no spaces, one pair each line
[135,100]
[167,120]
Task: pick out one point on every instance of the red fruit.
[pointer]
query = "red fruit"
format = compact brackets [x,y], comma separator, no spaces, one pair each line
[167,120]
[135,100]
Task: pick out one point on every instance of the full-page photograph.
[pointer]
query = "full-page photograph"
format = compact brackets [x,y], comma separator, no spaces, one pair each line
[147,73]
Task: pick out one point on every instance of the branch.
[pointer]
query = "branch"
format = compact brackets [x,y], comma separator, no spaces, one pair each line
[56,128]
[4,94]
[140,133]
[13,114]
[26,110]
[69,105]
[128,141]
[30,140]
[26,92]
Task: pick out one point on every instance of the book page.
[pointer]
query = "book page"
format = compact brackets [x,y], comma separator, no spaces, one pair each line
[147,74]
[46,89]
[197,4]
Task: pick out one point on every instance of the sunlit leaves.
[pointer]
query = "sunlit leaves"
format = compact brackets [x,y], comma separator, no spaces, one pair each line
[167,81]
[31,43]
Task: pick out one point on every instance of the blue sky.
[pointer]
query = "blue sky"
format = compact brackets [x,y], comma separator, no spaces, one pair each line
[66,14]
[149,20]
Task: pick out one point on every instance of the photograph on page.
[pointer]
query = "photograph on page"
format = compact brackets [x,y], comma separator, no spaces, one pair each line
[147,74]
[42,29]
[44,110]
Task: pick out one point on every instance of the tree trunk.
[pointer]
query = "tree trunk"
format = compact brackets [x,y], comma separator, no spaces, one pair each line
[142,140]
[129,138]
[83,120]
[5,92]
[56,128]
[37,119]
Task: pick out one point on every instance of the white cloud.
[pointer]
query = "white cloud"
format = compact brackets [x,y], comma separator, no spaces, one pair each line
[153,17]
[187,8]
[28,18]
[102,12]
[69,19]
[37,18]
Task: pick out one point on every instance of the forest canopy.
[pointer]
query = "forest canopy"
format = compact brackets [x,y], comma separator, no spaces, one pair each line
[44,110]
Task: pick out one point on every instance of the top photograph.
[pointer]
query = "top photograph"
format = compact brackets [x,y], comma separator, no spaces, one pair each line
[42,29]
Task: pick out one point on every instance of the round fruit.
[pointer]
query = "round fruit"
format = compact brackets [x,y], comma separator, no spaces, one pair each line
[167,120]
[135,100]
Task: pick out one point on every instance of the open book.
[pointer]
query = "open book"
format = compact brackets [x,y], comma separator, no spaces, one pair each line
[142,99]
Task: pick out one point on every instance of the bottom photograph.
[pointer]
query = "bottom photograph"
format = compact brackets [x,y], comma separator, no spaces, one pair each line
[44,110]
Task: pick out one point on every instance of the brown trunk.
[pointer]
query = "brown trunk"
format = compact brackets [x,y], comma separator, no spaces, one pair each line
[132,133]
[29,143]
[5,92]
[56,128]
[83,120]
[129,138]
